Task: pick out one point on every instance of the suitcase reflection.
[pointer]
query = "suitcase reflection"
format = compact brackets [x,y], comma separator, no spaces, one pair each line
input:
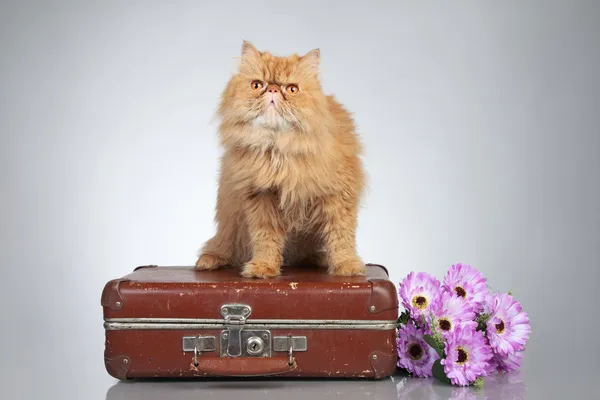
[253,389]
[400,386]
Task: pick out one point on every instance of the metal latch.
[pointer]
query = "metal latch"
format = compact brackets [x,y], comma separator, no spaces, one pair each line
[285,343]
[235,317]
[237,341]
[241,340]
[201,344]
[198,344]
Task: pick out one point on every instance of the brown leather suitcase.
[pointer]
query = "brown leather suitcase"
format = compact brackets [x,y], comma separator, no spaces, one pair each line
[176,322]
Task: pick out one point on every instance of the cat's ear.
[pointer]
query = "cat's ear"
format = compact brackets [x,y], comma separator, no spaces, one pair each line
[250,59]
[249,51]
[311,61]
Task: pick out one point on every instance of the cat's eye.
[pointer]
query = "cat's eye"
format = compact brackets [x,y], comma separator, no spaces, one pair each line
[256,85]
[293,89]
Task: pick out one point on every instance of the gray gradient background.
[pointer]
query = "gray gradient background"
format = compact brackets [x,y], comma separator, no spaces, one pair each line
[481,127]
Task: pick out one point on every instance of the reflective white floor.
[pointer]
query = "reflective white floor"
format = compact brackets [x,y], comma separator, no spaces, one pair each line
[505,387]
[64,362]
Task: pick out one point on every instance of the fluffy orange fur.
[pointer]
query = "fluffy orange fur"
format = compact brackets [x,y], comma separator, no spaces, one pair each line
[291,177]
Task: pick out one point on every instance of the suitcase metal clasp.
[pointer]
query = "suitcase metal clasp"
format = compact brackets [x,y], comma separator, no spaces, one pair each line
[237,341]
[198,344]
[235,317]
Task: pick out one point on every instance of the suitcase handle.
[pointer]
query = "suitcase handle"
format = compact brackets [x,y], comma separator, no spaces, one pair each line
[245,366]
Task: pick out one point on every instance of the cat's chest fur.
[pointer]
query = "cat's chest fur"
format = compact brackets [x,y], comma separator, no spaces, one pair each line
[297,178]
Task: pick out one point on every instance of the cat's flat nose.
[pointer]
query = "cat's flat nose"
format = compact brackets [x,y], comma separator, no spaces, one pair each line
[273,89]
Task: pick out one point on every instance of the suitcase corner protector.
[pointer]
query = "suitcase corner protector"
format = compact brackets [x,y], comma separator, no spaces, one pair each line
[118,367]
[383,364]
[383,296]
[111,295]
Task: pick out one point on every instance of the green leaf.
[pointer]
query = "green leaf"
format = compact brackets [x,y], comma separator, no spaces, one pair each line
[438,372]
[403,319]
[478,384]
[482,320]
[433,343]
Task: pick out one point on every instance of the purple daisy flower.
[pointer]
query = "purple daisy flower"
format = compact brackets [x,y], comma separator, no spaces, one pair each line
[467,283]
[508,327]
[467,355]
[419,294]
[450,312]
[509,363]
[414,354]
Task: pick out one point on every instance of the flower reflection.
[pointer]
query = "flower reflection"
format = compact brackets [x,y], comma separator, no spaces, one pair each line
[499,386]
[505,386]
[465,393]
[415,388]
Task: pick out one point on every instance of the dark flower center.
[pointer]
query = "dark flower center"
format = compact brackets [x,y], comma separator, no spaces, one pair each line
[419,302]
[460,291]
[416,351]
[463,356]
[500,327]
[444,324]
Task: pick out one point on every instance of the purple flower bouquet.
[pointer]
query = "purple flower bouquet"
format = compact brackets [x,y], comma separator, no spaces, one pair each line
[457,331]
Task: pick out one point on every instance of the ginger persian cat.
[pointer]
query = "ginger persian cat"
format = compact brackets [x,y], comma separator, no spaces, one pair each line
[290,177]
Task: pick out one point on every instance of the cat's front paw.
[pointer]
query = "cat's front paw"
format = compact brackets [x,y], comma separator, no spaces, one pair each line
[209,261]
[354,267]
[261,269]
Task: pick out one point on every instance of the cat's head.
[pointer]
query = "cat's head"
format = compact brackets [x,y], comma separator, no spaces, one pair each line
[270,93]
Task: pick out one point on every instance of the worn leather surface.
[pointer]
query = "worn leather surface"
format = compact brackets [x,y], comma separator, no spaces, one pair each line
[330,353]
[300,294]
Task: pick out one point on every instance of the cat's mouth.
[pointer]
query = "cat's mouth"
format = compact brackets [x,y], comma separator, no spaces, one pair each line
[272,108]
[272,118]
